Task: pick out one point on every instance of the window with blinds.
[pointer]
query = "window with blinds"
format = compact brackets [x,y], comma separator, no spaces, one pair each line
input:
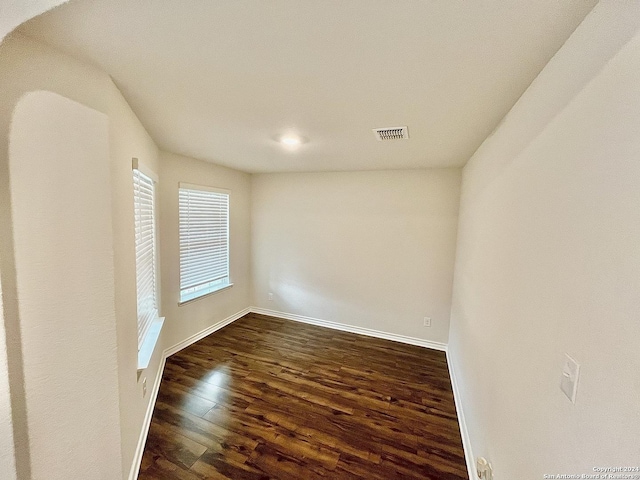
[204,241]
[144,199]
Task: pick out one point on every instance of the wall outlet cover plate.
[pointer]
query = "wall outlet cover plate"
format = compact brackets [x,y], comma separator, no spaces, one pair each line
[569,379]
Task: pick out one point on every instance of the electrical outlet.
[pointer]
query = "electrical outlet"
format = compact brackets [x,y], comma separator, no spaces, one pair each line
[144,387]
[270,297]
[484,469]
[427,321]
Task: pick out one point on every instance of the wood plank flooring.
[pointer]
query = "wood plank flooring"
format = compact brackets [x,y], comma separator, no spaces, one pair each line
[266,398]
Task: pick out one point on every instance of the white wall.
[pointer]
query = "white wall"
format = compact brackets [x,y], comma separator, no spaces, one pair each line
[548,262]
[12,14]
[26,66]
[58,154]
[192,317]
[15,12]
[7,456]
[367,249]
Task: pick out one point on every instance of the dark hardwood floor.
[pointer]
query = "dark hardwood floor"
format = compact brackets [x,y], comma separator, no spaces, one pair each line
[266,398]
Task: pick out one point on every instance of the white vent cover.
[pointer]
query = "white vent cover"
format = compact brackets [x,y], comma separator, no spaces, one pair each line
[391,133]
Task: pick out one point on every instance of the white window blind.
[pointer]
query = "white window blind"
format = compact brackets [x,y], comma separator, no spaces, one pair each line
[143,193]
[204,241]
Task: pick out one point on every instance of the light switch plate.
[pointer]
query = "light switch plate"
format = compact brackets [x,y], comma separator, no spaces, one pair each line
[569,379]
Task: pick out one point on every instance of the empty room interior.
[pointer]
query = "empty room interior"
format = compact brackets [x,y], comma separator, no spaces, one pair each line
[305,239]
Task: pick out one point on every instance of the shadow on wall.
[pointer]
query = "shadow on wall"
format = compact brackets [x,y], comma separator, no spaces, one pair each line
[57,278]
[12,349]
[16,13]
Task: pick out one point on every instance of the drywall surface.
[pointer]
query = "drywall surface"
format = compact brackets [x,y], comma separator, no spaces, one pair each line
[190,318]
[548,263]
[367,249]
[26,66]
[58,153]
[15,12]
[7,456]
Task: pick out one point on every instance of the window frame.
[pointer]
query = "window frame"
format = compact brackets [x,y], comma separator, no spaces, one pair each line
[212,289]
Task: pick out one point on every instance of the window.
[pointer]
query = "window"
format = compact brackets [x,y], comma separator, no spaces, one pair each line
[204,241]
[149,323]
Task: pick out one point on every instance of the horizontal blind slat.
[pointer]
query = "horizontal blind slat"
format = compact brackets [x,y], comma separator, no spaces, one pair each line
[204,272]
[204,237]
[144,217]
[199,282]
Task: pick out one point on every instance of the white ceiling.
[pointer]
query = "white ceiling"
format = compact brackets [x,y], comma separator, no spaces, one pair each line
[218,79]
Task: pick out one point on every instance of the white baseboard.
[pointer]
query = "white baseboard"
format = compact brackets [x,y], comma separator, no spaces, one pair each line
[137,459]
[464,432]
[352,329]
[207,331]
[313,321]
[146,423]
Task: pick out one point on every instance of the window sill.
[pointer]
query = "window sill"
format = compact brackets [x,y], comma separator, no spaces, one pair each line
[203,295]
[149,344]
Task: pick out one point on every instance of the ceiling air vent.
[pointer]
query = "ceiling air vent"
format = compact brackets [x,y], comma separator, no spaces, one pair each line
[391,133]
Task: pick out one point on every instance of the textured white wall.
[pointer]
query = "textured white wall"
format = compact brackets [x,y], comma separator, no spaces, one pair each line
[368,249]
[7,456]
[548,262]
[15,12]
[27,65]
[59,160]
[193,317]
